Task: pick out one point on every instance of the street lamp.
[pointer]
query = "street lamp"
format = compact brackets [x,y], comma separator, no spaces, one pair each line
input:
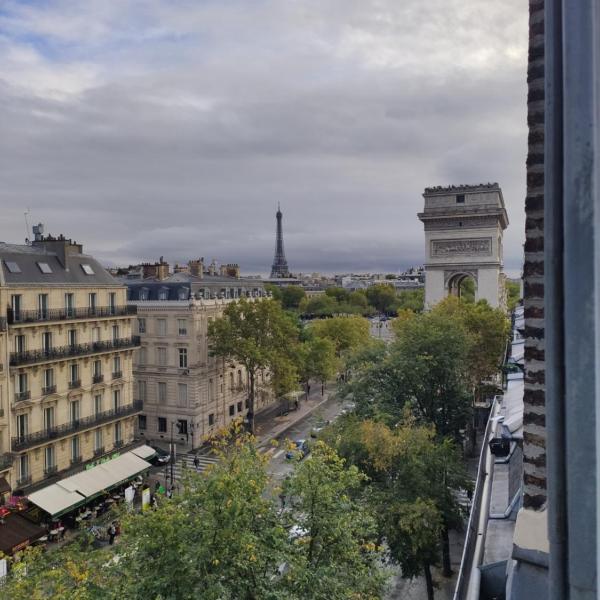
[172,448]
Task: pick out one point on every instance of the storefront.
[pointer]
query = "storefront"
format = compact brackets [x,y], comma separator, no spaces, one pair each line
[78,490]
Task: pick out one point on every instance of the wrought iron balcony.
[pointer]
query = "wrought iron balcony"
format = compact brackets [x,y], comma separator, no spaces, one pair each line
[99,378]
[99,451]
[68,314]
[48,471]
[117,375]
[32,439]
[76,383]
[119,443]
[49,389]
[76,460]
[29,357]
[19,396]
[2,323]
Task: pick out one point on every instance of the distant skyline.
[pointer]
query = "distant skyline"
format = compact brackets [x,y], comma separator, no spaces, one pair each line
[172,127]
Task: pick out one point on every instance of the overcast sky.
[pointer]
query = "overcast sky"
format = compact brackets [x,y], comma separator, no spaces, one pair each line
[173,127]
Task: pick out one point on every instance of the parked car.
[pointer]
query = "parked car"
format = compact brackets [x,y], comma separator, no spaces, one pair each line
[162,457]
[300,446]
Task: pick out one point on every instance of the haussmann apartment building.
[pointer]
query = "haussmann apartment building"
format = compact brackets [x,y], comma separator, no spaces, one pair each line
[65,364]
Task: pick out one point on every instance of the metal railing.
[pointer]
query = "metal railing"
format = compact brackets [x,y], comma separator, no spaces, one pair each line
[25,480]
[76,383]
[119,443]
[31,439]
[474,538]
[2,323]
[117,375]
[49,389]
[99,451]
[98,378]
[48,471]
[75,460]
[65,352]
[20,396]
[66,314]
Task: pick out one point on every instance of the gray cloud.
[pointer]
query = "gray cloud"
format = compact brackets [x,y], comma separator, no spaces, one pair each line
[174,128]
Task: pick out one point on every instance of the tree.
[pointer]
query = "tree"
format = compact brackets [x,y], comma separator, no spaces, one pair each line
[259,335]
[224,538]
[346,333]
[358,299]
[336,554]
[382,296]
[338,293]
[413,300]
[423,370]
[413,478]
[291,296]
[319,306]
[513,292]
[317,361]
[275,290]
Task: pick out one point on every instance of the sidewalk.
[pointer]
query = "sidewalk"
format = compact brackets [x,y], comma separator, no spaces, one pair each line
[269,425]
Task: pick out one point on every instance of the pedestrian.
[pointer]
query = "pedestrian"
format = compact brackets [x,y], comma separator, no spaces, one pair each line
[196,462]
[170,492]
[112,532]
[295,403]
[157,486]
[154,502]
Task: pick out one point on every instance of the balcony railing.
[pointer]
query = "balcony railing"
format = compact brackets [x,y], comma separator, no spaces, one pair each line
[49,389]
[50,470]
[76,383]
[66,314]
[99,451]
[76,460]
[32,439]
[23,481]
[66,352]
[117,374]
[19,396]
[98,378]
[2,323]
[119,443]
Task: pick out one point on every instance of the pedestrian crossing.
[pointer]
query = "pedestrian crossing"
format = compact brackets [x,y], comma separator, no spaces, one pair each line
[186,462]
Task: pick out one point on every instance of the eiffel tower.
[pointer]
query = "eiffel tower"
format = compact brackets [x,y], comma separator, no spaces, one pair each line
[280,266]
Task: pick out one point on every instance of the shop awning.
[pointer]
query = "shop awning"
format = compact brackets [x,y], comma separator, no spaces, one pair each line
[78,489]
[17,533]
[144,452]
[56,500]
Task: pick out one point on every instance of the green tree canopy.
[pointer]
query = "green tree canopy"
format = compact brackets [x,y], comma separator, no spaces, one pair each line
[346,333]
[319,306]
[259,335]
[413,300]
[339,293]
[382,297]
[291,296]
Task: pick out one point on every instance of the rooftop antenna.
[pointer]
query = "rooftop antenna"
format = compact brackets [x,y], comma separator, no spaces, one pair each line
[26,226]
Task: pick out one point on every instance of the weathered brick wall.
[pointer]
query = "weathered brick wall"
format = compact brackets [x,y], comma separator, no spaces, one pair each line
[534,448]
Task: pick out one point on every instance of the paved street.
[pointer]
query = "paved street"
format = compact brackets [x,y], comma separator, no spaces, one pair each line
[381,329]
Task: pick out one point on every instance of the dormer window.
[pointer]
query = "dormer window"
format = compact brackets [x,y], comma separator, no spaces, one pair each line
[460,198]
[44,268]
[183,293]
[163,294]
[12,266]
[87,269]
[144,294]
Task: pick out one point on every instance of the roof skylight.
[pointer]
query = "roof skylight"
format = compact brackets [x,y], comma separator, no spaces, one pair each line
[87,269]
[44,268]
[12,266]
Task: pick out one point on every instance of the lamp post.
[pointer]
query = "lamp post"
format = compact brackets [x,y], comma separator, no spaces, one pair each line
[172,448]
[192,434]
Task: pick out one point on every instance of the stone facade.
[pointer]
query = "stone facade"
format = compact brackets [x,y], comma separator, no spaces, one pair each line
[534,437]
[67,357]
[463,239]
[179,382]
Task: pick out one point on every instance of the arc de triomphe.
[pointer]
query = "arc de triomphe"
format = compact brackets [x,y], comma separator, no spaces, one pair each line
[463,239]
